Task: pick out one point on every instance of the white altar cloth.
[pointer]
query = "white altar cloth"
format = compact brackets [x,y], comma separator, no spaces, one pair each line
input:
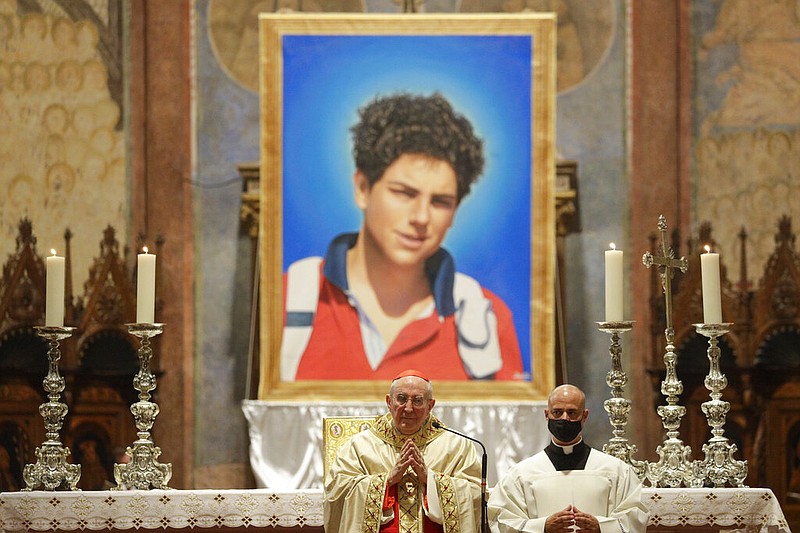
[752,510]
[158,509]
[732,509]
[286,437]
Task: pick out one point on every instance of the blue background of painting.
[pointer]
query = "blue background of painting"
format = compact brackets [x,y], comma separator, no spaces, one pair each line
[486,78]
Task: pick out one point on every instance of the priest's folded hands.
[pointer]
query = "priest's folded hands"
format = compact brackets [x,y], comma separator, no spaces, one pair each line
[410,457]
[567,520]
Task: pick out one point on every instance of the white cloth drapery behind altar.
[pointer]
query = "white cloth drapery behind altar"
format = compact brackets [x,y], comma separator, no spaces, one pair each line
[286,437]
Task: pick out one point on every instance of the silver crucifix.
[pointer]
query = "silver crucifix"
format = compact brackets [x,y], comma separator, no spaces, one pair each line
[675,467]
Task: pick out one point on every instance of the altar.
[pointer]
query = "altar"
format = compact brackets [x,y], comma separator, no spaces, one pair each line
[671,510]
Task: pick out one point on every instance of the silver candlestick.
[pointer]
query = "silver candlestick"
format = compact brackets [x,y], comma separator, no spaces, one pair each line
[674,467]
[51,470]
[718,468]
[143,472]
[617,407]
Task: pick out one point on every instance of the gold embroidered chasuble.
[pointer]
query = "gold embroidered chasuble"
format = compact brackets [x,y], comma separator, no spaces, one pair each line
[356,483]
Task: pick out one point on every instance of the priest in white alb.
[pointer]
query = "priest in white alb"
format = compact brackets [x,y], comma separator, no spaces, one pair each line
[568,485]
[403,474]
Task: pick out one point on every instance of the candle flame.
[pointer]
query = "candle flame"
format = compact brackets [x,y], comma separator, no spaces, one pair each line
[144,249]
[708,248]
[53,251]
[613,246]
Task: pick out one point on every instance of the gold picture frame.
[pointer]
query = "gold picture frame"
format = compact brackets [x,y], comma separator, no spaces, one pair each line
[279,38]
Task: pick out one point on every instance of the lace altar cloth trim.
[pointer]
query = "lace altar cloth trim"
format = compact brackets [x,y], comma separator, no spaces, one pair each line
[751,509]
[747,509]
[158,509]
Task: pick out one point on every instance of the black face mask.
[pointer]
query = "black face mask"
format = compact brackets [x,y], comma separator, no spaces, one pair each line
[564,430]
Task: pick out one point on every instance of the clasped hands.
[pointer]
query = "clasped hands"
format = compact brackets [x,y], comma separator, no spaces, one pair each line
[568,519]
[409,456]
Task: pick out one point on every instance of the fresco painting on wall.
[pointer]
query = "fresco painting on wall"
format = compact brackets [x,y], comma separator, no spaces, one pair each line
[747,125]
[62,143]
[318,72]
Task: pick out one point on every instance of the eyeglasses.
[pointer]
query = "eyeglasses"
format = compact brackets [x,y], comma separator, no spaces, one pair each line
[572,414]
[416,401]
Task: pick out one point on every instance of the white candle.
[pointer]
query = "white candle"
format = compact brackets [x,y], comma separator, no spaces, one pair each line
[146,288]
[712,299]
[614,267]
[54,309]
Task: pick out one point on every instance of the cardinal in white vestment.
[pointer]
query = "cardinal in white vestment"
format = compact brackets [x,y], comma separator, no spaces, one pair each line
[568,485]
[403,474]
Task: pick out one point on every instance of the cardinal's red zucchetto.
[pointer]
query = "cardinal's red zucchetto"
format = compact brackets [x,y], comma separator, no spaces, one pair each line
[411,373]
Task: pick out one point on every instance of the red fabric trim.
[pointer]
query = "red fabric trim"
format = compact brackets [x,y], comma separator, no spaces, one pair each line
[390,498]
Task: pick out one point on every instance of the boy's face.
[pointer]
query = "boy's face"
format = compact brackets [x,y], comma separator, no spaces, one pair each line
[408,211]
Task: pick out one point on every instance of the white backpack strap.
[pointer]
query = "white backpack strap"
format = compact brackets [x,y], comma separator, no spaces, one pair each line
[302,295]
[476,324]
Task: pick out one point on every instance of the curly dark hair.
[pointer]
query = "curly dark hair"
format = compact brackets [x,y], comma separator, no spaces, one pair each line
[403,123]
